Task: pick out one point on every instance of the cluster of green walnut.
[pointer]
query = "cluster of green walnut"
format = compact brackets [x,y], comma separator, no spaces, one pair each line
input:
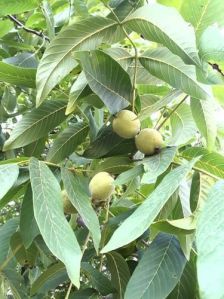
[127,125]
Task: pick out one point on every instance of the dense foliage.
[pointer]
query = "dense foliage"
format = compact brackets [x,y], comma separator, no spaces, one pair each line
[67,68]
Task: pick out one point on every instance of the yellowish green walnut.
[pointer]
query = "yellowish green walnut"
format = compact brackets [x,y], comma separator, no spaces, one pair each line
[126,124]
[67,205]
[149,141]
[101,186]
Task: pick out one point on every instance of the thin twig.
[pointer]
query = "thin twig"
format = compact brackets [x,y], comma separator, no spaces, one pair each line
[160,117]
[135,56]
[172,111]
[20,24]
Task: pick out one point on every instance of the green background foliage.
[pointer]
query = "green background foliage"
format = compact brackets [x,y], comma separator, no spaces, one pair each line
[66,69]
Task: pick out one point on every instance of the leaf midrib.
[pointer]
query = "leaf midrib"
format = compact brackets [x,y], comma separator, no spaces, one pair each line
[174,67]
[157,269]
[72,49]
[167,36]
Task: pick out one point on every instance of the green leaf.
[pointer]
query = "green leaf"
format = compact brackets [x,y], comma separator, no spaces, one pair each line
[185,225]
[53,276]
[182,125]
[107,79]
[205,118]
[113,165]
[17,75]
[48,212]
[8,175]
[57,61]
[144,215]
[157,164]
[211,163]
[76,92]
[8,7]
[165,26]
[129,175]
[187,285]
[77,193]
[211,44]
[148,107]
[203,13]
[16,283]
[67,141]
[18,249]
[99,281]
[120,273]
[124,8]
[163,64]
[210,244]
[87,293]
[6,232]
[5,27]
[158,271]
[28,226]
[108,143]
[36,124]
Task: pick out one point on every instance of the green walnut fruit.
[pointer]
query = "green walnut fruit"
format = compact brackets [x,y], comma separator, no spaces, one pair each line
[67,205]
[126,124]
[149,141]
[101,186]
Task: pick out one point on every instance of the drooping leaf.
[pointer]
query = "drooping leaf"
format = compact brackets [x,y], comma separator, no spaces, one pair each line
[6,232]
[187,285]
[210,162]
[144,215]
[107,79]
[99,281]
[203,13]
[79,198]
[157,164]
[182,125]
[8,175]
[205,119]
[120,273]
[36,124]
[76,91]
[49,279]
[158,271]
[28,226]
[17,75]
[67,141]
[8,7]
[165,26]
[108,143]
[57,60]
[210,244]
[48,212]
[170,68]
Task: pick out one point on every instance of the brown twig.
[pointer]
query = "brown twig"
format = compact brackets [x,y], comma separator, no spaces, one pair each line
[21,25]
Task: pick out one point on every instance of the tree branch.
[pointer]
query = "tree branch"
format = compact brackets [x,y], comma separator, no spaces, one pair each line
[21,25]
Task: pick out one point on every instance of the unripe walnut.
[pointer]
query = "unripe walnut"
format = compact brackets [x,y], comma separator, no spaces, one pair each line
[101,186]
[67,205]
[126,124]
[149,141]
